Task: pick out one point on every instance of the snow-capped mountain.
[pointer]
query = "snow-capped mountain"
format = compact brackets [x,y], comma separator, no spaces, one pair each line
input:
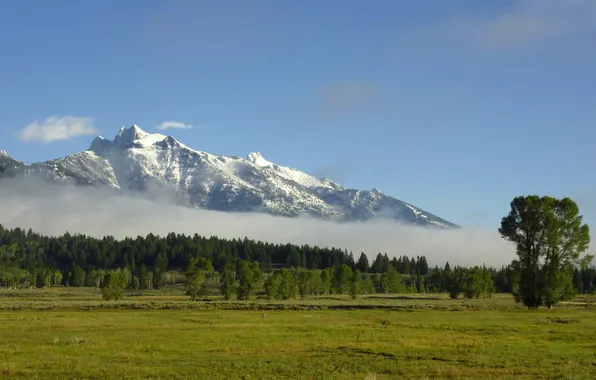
[140,162]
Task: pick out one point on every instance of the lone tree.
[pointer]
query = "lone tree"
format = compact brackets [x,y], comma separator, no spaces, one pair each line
[549,237]
[113,285]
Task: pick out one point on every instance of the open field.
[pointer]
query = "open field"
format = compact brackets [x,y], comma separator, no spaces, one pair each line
[67,333]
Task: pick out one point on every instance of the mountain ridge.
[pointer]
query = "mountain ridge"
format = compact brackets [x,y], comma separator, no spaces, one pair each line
[139,162]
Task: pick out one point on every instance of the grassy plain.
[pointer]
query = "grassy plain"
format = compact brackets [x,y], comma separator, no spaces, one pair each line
[66,333]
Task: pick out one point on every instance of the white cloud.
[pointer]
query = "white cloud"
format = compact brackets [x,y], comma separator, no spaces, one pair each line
[531,22]
[173,124]
[57,128]
[54,210]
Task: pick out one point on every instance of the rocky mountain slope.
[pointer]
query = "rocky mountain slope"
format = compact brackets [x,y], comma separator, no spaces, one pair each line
[144,163]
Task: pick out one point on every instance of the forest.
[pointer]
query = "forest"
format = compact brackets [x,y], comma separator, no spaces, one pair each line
[28,259]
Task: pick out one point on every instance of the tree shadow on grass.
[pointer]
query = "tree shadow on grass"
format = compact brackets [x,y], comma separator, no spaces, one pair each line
[405,298]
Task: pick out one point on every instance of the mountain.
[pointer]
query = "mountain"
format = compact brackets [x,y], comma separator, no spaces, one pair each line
[143,163]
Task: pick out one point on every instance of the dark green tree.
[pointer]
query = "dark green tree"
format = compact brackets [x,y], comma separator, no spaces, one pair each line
[159,271]
[78,276]
[454,282]
[422,266]
[363,265]
[549,237]
[144,277]
[420,283]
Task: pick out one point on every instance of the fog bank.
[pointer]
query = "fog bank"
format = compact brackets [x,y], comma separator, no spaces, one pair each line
[53,210]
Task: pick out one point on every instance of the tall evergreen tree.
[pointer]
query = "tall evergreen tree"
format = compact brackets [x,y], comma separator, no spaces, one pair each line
[363,264]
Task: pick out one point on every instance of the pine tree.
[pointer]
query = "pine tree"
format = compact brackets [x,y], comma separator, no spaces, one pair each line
[363,265]
[420,283]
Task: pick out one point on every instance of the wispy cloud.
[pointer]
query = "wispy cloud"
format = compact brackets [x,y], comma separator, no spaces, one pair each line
[529,23]
[209,30]
[337,99]
[57,128]
[173,124]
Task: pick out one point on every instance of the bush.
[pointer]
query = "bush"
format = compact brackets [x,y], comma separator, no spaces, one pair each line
[113,285]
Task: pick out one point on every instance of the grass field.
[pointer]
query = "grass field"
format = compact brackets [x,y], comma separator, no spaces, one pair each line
[72,334]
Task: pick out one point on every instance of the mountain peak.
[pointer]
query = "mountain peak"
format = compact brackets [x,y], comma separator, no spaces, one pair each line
[130,134]
[254,155]
[257,159]
[127,136]
[99,145]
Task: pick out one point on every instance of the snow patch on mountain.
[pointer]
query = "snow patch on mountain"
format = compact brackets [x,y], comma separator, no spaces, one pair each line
[414,209]
[138,161]
[257,159]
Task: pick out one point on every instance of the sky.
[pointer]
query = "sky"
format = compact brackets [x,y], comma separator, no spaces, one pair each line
[455,107]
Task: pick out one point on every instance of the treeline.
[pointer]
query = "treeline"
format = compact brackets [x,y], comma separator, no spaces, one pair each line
[245,279]
[28,259]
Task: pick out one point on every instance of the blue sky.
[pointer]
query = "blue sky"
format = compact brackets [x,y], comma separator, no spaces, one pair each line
[455,106]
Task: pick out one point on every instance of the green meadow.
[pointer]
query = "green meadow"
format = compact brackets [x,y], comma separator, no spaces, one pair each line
[71,333]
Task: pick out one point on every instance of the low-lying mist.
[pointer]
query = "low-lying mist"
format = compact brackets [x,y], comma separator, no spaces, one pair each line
[53,210]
